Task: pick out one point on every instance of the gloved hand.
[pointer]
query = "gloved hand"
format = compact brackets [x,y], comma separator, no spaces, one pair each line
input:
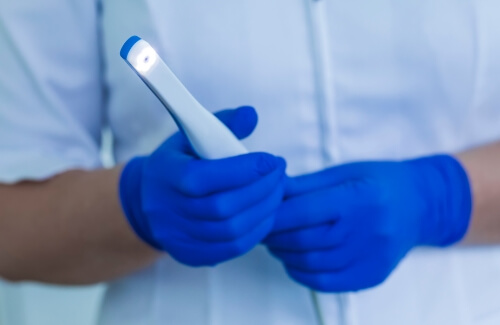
[203,212]
[347,227]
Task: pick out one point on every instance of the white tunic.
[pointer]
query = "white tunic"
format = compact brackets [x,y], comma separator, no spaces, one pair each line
[333,81]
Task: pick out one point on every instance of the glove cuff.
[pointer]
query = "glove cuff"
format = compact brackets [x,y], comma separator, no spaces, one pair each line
[449,193]
[131,199]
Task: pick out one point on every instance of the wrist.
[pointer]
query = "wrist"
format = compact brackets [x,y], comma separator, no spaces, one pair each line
[131,199]
[444,186]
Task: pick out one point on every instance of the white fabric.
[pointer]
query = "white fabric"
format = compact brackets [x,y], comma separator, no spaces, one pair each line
[50,91]
[333,81]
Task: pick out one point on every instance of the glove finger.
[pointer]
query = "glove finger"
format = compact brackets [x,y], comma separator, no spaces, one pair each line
[316,208]
[200,178]
[227,204]
[327,260]
[356,277]
[307,239]
[232,228]
[323,179]
[195,253]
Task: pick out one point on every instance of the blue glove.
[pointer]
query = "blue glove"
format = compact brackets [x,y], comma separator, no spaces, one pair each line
[203,212]
[347,227]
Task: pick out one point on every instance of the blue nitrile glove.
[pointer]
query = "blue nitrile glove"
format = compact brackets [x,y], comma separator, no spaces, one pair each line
[203,212]
[347,227]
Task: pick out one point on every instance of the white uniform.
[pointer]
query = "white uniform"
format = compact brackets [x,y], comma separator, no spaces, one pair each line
[333,81]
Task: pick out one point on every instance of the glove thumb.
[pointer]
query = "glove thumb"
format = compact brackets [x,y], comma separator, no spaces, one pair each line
[241,121]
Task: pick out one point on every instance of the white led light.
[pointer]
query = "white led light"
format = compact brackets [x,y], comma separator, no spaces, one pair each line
[145,59]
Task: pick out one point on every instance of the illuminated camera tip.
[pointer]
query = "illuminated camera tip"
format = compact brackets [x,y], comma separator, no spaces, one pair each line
[146,59]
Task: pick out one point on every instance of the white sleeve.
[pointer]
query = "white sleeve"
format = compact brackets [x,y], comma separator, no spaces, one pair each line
[51,97]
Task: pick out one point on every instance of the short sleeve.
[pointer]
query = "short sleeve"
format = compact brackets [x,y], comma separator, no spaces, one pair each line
[51,94]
